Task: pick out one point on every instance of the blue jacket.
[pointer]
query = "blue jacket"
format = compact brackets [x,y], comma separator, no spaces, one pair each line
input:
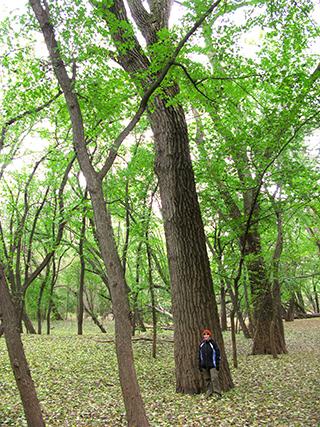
[209,355]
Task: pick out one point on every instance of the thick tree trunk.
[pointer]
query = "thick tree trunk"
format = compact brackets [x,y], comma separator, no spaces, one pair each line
[262,299]
[193,302]
[17,357]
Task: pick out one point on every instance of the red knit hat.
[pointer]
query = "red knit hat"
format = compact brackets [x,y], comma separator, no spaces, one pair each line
[206,331]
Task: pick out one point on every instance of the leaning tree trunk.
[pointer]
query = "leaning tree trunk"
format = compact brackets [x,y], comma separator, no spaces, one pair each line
[118,290]
[17,357]
[135,411]
[27,322]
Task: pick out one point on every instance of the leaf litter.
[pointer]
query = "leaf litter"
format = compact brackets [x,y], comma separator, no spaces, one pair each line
[77,383]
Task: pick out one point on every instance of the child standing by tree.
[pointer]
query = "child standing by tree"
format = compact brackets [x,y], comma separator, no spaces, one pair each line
[209,360]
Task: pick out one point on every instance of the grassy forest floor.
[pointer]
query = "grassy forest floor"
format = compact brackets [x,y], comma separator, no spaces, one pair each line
[76,380]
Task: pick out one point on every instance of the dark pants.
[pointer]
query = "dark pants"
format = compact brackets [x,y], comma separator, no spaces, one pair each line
[211,377]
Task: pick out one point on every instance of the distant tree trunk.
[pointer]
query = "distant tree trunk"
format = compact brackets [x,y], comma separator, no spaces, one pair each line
[290,311]
[248,307]
[39,301]
[152,297]
[82,273]
[134,295]
[277,338]
[234,295]
[223,308]
[300,300]
[27,323]
[261,295]
[233,339]
[316,297]
[17,357]
[127,235]
[50,302]
[39,314]
[95,319]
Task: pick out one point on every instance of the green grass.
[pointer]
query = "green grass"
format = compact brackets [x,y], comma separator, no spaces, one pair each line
[77,383]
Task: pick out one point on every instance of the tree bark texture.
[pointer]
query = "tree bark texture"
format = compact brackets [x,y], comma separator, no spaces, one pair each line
[17,357]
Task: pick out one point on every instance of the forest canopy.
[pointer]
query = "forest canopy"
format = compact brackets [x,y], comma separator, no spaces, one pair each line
[159,167]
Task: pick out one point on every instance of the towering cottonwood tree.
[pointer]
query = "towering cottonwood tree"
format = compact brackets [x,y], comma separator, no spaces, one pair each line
[193,301]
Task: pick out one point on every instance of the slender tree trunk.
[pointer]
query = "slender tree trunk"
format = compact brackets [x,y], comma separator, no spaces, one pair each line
[118,289]
[233,339]
[17,357]
[39,301]
[290,312]
[135,294]
[50,301]
[300,300]
[234,295]
[316,297]
[135,411]
[248,307]
[152,297]
[95,319]
[27,323]
[223,308]
[277,337]
[81,278]
[39,314]
[127,235]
